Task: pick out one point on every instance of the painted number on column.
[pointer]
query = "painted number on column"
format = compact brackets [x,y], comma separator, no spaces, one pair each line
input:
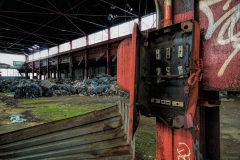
[183,151]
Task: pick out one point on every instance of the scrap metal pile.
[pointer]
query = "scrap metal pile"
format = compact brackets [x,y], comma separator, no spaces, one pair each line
[101,85]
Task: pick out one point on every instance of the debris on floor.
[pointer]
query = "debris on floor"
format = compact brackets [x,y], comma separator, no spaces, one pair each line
[101,85]
[16,118]
[227,99]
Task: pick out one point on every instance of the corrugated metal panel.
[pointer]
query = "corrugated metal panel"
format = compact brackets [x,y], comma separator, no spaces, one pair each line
[96,135]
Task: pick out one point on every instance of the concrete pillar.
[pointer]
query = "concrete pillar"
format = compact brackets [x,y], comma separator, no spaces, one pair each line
[86,66]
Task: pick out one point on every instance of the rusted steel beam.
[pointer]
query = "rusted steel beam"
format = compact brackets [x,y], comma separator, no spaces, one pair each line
[80,61]
[39,25]
[100,56]
[29,33]
[86,65]
[119,8]
[87,47]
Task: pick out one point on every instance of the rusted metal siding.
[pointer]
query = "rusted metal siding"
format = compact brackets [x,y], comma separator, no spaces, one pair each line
[97,135]
[219,21]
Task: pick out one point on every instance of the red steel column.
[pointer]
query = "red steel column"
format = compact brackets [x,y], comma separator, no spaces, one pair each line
[32,70]
[58,70]
[26,70]
[167,20]
[86,66]
[39,74]
[108,61]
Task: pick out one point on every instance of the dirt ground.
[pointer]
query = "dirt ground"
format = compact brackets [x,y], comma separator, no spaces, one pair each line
[230,129]
[145,135]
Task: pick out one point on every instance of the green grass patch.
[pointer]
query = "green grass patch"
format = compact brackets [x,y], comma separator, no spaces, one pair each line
[60,111]
[31,103]
[145,143]
[48,110]
[7,94]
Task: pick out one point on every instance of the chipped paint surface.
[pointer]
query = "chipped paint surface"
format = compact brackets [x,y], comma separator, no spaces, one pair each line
[221,44]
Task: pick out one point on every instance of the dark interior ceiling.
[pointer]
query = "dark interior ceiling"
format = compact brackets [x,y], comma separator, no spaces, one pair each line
[47,23]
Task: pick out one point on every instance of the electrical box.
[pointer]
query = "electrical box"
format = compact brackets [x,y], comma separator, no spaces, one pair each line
[170,74]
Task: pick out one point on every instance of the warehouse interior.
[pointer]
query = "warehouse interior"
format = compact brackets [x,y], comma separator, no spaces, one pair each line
[59,61]
[70,39]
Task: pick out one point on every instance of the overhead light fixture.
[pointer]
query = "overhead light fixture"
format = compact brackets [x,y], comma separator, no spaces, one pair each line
[36,46]
[112,17]
[113,5]
[25,54]
[129,7]
[30,49]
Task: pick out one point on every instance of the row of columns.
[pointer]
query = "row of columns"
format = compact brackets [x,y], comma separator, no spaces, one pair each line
[56,72]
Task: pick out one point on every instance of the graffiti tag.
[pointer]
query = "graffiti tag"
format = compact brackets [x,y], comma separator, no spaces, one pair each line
[230,17]
[183,153]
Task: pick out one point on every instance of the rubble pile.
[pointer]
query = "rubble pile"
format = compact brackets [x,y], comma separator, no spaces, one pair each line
[101,85]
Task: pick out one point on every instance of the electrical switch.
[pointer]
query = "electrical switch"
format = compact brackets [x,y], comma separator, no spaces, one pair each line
[168,70]
[153,100]
[180,70]
[158,69]
[168,102]
[168,53]
[158,57]
[180,51]
[177,104]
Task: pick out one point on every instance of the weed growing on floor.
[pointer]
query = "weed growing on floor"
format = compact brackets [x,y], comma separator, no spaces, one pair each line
[48,110]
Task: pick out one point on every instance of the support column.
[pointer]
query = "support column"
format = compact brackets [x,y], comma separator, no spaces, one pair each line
[50,74]
[65,74]
[86,65]
[54,73]
[44,75]
[58,72]
[70,66]
[108,61]
[26,70]
[48,69]
[39,71]
[32,70]
[26,73]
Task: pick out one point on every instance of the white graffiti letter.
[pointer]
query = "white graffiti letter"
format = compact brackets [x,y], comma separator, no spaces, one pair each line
[186,155]
[231,17]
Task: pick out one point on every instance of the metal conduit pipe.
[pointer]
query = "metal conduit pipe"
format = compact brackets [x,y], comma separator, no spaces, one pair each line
[157,14]
[167,20]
